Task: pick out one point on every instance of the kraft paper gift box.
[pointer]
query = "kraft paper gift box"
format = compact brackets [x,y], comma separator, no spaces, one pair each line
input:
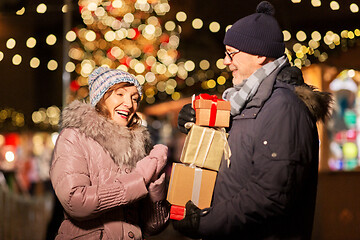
[211,111]
[204,147]
[190,183]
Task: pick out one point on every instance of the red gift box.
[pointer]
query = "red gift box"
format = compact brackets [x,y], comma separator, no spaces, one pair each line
[211,111]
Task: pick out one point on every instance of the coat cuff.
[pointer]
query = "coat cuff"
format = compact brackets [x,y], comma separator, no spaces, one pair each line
[126,189]
[134,186]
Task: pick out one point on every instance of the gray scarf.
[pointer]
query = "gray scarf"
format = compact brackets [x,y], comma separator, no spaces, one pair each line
[242,93]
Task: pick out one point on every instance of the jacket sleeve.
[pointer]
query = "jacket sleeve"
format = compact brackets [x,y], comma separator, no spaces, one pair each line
[279,151]
[70,178]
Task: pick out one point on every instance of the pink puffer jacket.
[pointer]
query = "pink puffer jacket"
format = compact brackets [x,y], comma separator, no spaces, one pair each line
[92,176]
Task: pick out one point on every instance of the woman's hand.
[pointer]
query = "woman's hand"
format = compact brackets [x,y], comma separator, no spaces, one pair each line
[150,166]
[159,152]
[157,189]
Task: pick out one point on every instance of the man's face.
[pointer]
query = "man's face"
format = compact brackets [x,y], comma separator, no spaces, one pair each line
[242,64]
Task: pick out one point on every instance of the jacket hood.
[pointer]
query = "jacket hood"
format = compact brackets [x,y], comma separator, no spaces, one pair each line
[319,103]
[125,146]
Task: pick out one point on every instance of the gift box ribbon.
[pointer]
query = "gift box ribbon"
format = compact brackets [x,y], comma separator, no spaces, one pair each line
[227,151]
[214,100]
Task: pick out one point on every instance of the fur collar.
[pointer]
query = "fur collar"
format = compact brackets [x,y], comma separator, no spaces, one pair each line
[318,103]
[126,146]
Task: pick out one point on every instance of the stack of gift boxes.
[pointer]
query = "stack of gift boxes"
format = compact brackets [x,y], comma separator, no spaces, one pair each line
[204,148]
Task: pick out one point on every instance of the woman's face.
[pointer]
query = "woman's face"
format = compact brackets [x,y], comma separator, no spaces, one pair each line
[122,104]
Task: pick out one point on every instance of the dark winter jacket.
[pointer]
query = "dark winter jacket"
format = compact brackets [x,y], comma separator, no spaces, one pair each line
[269,190]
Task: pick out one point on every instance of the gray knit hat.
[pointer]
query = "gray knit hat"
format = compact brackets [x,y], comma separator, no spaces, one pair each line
[102,78]
[258,33]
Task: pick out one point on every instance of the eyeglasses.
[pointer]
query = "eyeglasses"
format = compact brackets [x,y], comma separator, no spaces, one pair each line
[230,54]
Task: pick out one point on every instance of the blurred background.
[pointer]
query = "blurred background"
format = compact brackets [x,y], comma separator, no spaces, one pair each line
[175,50]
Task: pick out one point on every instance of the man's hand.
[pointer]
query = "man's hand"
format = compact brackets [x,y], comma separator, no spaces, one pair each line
[186,114]
[190,224]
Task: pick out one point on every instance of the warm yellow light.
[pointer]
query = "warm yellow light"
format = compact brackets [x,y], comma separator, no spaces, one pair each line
[70,67]
[161,86]
[65,8]
[70,36]
[9,156]
[129,17]
[10,43]
[150,77]
[354,8]
[51,39]
[170,26]
[228,27]
[90,35]
[31,42]
[1,55]
[287,35]
[211,83]
[161,68]
[296,47]
[34,62]
[296,1]
[221,80]
[92,6]
[110,36]
[16,60]
[301,36]
[139,68]
[52,65]
[181,16]
[316,36]
[351,35]
[173,68]
[334,5]
[357,32]
[141,79]
[41,8]
[220,63]
[21,11]
[197,23]
[131,33]
[204,64]
[351,73]
[149,29]
[117,4]
[344,33]
[214,27]
[316,3]
[189,65]
[314,44]
[175,96]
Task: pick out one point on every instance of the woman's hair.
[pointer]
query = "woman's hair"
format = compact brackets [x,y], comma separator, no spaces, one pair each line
[101,108]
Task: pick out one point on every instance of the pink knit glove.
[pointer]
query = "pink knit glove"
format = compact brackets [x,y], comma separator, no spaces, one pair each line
[157,189]
[146,167]
[159,152]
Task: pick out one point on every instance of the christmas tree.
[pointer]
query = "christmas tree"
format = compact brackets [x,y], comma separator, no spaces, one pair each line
[129,35]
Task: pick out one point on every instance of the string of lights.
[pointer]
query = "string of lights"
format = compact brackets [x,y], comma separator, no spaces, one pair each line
[130,35]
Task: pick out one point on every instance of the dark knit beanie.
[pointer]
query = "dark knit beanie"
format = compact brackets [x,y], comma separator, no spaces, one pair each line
[258,33]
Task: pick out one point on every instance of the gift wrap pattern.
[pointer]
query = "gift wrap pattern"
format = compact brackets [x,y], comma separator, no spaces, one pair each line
[205,147]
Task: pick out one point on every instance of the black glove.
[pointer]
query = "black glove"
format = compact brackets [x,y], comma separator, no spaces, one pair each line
[186,114]
[190,224]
